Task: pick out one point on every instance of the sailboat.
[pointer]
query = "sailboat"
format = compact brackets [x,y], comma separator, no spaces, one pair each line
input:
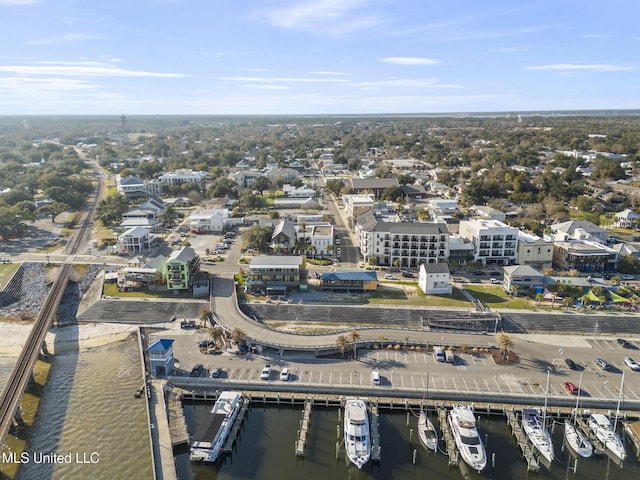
[426,431]
[536,430]
[606,433]
[577,440]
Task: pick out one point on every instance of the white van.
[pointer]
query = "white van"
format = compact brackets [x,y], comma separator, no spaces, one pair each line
[438,354]
[375,378]
[449,356]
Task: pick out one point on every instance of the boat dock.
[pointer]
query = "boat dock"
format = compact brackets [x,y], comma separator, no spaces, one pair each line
[233,434]
[522,440]
[452,450]
[583,424]
[632,429]
[175,418]
[375,434]
[304,428]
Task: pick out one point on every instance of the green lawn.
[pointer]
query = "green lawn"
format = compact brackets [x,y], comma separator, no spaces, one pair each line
[6,272]
[111,289]
[399,297]
[494,296]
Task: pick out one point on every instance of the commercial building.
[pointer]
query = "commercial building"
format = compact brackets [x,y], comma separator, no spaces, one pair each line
[276,275]
[494,243]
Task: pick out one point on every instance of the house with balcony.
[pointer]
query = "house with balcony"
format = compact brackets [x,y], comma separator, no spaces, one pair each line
[160,354]
[522,280]
[244,178]
[209,220]
[584,256]
[276,275]
[135,188]
[181,268]
[460,251]
[349,281]
[356,205]
[401,244]
[494,243]
[183,175]
[317,237]
[580,230]
[434,279]
[284,238]
[136,239]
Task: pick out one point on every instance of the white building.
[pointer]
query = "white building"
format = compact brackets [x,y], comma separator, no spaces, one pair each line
[534,251]
[319,236]
[183,175]
[136,239]
[494,243]
[356,205]
[401,244]
[213,220]
[433,279]
[305,191]
[244,178]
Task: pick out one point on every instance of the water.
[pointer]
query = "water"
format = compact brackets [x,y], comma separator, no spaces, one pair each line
[265,450]
[88,407]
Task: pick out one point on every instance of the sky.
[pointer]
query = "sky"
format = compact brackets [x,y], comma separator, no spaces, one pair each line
[317,56]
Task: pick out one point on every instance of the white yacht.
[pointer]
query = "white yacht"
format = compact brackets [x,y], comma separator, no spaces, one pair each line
[601,426]
[463,426]
[357,440]
[427,432]
[209,440]
[538,435]
[577,440]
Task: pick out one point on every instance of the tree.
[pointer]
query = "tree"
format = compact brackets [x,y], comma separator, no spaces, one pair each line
[504,342]
[261,184]
[342,342]
[354,336]
[220,187]
[539,298]
[382,339]
[239,336]
[257,237]
[110,209]
[169,216]
[54,209]
[203,315]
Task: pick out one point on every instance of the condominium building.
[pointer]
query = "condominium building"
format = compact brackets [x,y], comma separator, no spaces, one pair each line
[276,275]
[494,243]
[183,175]
[401,244]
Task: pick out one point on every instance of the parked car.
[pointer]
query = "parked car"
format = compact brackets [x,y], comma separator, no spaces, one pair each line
[495,273]
[478,272]
[216,372]
[408,275]
[284,374]
[602,364]
[628,277]
[623,343]
[571,387]
[494,280]
[197,370]
[266,372]
[571,364]
[388,276]
[632,364]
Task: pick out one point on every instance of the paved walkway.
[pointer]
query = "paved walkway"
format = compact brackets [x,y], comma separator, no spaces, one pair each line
[165,466]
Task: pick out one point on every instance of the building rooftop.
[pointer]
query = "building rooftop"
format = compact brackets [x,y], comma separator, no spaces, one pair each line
[350,275]
[286,261]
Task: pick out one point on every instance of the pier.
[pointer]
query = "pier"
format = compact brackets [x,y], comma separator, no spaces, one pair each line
[375,434]
[233,434]
[522,440]
[175,417]
[305,424]
[632,429]
[452,450]
[583,424]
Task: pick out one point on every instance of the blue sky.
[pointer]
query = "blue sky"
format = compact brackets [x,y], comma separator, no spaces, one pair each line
[317,56]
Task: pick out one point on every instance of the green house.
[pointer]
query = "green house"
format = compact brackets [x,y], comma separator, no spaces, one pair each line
[181,268]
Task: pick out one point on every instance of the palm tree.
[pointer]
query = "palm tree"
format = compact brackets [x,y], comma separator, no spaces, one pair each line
[382,339]
[539,298]
[547,271]
[354,336]
[217,335]
[567,301]
[204,314]
[238,335]
[504,342]
[342,342]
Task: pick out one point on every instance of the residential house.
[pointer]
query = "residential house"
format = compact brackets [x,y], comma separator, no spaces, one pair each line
[627,218]
[160,354]
[318,237]
[534,251]
[489,213]
[580,230]
[349,281]
[303,203]
[212,220]
[460,251]
[304,191]
[181,268]
[434,279]
[131,187]
[283,238]
[285,174]
[402,244]
[136,239]
[443,210]
[276,275]
[376,186]
[522,280]
[495,243]
[244,178]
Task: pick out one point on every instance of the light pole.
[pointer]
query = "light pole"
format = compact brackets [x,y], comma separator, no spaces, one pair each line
[594,330]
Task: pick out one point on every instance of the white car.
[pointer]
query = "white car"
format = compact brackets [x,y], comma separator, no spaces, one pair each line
[266,372]
[632,364]
[388,276]
[284,374]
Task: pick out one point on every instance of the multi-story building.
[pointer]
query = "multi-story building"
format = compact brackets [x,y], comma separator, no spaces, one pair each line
[494,243]
[351,282]
[433,279]
[534,251]
[136,239]
[135,188]
[183,175]
[401,244]
[522,279]
[276,275]
[356,205]
[244,178]
[210,220]
[376,186]
[319,237]
[584,256]
[181,268]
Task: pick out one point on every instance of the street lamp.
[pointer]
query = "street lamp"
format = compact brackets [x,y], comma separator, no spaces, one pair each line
[594,330]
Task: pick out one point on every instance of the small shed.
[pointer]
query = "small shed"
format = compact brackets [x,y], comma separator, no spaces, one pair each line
[161,359]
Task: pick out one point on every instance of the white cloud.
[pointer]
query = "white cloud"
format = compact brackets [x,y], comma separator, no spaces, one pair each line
[12,3]
[331,73]
[67,37]
[283,80]
[25,84]
[82,69]
[410,60]
[408,83]
[582,67]
[265,87]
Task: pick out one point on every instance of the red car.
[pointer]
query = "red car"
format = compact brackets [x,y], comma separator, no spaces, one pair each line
[571,387]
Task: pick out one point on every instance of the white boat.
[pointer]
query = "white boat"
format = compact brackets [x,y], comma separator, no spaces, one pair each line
[601,426]
[538,434]
[357,439]
[578,442]
[208,441]
[465,433]
[427,432]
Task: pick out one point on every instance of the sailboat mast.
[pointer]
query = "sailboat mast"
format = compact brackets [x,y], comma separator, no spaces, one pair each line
[546,396]
[575,417]
[615,422]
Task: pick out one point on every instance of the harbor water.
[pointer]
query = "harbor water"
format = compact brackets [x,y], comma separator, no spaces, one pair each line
[265,450]
[88,410]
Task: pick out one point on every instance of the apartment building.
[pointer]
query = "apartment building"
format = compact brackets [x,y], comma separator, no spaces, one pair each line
[494,243]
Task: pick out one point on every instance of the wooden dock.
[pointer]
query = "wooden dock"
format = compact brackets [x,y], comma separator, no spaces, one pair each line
[233,434]
[583,424]
[452,450]
[175,417]
[375,434]
[632,429]
[526,449]
[305,424]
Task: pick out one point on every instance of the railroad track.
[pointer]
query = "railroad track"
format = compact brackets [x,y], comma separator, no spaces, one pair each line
[22,371]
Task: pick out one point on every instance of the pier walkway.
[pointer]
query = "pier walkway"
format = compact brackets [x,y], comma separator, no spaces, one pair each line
[305,424]
[165,466]
[233,434]
[526,449]
[452,450]
[375,434]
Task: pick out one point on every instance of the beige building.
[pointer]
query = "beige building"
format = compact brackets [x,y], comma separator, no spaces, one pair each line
[534,251]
